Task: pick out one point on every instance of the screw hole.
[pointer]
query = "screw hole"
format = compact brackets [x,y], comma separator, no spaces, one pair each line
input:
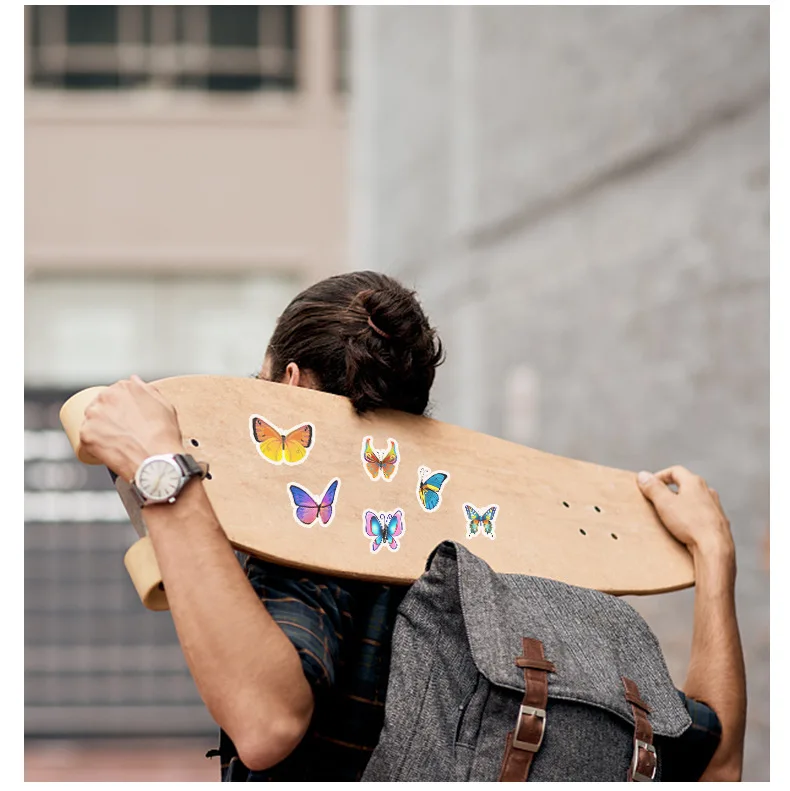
[565,504]
[614,536]
[209,476]
[195,442]
[597,509]
[582,532]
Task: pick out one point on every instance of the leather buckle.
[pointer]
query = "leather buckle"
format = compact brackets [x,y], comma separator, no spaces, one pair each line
[636,775]
[530,711]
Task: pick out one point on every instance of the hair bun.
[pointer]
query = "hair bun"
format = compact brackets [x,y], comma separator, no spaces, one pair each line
[393,314]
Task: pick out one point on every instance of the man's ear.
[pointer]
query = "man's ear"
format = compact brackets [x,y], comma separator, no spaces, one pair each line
[293,376]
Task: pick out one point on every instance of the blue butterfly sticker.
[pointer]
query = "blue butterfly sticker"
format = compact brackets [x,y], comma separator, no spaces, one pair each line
[384,529]
[430,486]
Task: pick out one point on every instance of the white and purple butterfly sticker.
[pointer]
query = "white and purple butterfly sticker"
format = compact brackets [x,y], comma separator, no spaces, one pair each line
[308,508]
[384,529]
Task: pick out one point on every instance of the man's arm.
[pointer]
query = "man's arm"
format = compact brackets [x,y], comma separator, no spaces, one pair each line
[716,674]
[246,669]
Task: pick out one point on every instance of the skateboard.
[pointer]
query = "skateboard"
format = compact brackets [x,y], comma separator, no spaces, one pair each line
[297,478]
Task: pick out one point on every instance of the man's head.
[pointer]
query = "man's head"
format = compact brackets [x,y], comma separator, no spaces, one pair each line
[361,335]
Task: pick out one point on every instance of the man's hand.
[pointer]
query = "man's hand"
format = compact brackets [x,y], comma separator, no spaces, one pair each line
[127,423]
[693,514]
[716,673]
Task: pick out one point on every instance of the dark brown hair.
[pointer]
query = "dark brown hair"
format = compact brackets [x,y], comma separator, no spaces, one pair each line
[364,336]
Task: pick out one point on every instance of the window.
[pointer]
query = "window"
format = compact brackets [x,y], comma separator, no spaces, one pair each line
[82,330]
[214,48]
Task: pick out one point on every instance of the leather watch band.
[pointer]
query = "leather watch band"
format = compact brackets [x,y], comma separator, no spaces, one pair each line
[189,466]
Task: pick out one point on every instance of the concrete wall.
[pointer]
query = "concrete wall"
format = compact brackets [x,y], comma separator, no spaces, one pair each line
[581,197]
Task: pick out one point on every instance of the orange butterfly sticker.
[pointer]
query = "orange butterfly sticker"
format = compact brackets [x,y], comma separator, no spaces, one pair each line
[380,463]
[281,447]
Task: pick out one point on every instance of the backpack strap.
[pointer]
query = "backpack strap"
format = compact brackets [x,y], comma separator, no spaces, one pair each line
[644,764]
[525,739]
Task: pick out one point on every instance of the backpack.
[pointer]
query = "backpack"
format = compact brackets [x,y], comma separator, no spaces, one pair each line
[509,677]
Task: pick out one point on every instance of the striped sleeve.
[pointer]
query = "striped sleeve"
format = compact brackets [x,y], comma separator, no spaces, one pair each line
[308,612]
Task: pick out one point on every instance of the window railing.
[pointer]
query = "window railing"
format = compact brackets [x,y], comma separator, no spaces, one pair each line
[214,48]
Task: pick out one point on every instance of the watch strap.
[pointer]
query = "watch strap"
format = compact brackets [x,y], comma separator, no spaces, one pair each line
[189,466]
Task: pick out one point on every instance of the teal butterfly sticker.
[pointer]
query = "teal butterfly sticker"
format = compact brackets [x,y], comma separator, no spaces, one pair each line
[476,522]
[428,491]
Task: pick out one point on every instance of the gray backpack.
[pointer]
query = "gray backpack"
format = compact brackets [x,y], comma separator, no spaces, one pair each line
[504,677]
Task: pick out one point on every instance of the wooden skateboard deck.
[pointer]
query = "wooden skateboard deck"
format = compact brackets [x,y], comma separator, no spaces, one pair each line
[299,479]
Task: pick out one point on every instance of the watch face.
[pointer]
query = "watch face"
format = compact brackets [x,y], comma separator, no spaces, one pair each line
[159,479]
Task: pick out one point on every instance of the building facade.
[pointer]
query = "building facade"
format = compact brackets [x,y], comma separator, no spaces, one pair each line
[185,176]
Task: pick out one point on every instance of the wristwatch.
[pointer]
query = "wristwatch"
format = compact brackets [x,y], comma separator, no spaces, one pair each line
[160,479]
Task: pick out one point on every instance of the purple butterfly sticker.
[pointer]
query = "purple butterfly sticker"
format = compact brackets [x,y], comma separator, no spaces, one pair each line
[384,529]
[307,507]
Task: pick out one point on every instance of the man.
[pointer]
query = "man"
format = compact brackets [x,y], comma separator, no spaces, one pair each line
[249,673]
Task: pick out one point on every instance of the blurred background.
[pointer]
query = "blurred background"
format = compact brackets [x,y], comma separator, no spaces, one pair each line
[580,195]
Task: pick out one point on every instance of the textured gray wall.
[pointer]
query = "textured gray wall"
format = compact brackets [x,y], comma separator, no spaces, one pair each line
[580,196]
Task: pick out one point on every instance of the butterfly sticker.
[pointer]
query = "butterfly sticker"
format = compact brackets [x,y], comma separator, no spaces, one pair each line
[307,507]
[476,522]
[384,529]
[429,487]
[380,463]
[281,447]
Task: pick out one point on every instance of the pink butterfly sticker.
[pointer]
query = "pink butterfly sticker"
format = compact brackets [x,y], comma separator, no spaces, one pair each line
[384,529]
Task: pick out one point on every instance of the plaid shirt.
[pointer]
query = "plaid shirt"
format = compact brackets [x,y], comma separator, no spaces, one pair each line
[691,753]
[342,631]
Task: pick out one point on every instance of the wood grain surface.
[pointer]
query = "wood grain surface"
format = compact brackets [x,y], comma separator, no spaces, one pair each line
[568,520]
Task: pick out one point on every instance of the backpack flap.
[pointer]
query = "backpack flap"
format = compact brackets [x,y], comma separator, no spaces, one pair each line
[593,639]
